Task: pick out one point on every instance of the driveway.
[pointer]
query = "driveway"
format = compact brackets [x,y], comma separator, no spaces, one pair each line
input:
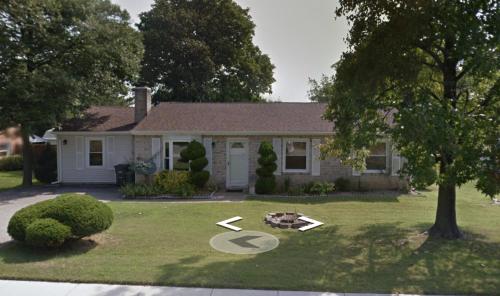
[13,200]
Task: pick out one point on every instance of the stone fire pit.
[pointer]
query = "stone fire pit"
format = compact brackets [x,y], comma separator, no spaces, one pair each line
[285,220]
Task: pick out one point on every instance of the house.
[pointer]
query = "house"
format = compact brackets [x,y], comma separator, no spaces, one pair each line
[90,146]
[11,142]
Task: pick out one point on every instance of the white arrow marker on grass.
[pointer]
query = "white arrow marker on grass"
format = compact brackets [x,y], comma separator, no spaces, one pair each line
[225,223]
[310,226]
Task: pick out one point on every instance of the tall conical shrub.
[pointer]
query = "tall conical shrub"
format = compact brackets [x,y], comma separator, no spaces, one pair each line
[194,153]
[266,181]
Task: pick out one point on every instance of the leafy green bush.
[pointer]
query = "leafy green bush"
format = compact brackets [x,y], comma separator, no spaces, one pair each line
[46,165]
[83,214]
[342,184]
[133,190]
[11,163]
[322,188]
[172,181]
[266,182]
[47,232]
[24,217]
[194,153]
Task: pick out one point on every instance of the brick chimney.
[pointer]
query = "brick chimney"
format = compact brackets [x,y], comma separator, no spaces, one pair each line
[142,102]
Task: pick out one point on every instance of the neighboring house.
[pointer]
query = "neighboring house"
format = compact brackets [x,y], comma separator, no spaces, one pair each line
[11,142]
[90,146]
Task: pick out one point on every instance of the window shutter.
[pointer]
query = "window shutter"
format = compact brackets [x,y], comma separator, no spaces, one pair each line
[396,164]
[156,152]
[315,161]
[110,151]
[79,152]
[277,150]
[207,142]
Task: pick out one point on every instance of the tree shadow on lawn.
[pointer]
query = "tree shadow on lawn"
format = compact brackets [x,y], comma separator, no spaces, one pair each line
[15,252]
[375,196]
[382,258]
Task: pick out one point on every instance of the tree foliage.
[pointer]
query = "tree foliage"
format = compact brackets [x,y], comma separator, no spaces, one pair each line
[58,57]
[202,50]
[426,74]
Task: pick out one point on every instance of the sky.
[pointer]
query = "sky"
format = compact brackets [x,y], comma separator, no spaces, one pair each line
[302,38]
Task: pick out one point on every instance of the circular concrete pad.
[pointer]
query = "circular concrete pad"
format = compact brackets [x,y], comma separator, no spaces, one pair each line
[244,242]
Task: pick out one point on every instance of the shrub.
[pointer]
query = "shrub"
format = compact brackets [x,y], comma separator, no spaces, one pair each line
[266,182]
[132,190]
[11,163]
[342,184]
[172,181]
[83,214]
[24,217]
[308,187]
[47,232]
[46,165]
[194,153]
[322,188]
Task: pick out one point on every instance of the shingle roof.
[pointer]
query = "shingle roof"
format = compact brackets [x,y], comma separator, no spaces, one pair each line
[236,117]
[102,119]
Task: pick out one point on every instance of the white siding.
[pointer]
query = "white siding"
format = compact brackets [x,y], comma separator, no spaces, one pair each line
[122,153]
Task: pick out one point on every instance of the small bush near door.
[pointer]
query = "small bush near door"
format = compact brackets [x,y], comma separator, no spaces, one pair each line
[266,182]
[194,153]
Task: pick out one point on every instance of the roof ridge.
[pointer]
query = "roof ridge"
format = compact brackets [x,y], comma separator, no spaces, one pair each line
[244,103]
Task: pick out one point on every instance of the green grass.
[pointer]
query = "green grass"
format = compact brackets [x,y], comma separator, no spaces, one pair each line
[368,244]
[9,180]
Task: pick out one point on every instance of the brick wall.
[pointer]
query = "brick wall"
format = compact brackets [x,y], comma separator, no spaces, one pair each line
[142,151]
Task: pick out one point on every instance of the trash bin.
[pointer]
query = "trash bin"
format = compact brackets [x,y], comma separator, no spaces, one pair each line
[122,174]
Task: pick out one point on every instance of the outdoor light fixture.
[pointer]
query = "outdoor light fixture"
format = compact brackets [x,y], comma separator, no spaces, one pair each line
[65,142]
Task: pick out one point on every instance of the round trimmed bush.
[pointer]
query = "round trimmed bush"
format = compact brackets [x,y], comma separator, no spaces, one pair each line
[266,182]
[24,217]
[198,164]
[82,214]
[199,179]
[48,233]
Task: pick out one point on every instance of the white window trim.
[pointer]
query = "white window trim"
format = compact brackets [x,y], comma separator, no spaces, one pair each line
[7,151]
[170,142]
[386,156]
[87,152]
[308,154]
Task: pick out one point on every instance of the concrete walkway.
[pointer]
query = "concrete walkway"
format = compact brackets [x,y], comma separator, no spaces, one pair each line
[28,288]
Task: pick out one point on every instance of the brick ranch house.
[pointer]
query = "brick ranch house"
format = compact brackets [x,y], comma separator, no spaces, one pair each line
[90,146]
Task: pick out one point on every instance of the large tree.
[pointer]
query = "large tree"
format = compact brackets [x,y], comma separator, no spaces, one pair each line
[57,57]
[426,73]
[202,50]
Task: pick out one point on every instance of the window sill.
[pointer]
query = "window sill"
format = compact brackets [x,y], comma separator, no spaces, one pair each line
[296,172]
[374,172]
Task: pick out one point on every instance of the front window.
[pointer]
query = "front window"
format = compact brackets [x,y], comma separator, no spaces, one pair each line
[178,165]
[96,155]
[4,149]
[296,152]
[172,159]
[377,160]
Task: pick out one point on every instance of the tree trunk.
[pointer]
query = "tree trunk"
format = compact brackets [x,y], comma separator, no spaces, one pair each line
[445,225]
[27,159]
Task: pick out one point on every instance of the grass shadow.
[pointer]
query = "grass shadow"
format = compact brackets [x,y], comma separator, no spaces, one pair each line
[380,258]
[13,252]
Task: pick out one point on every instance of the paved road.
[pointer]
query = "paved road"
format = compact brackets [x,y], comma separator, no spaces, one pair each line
[28,288]
[13,200]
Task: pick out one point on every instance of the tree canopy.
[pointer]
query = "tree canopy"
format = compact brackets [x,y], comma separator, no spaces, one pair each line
[202,50]
[57,57]
[426,73]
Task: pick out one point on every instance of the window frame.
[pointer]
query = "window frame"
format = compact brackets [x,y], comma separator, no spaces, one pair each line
[308,154]
[87,152]
[373,171]
[169,142]
[7,150]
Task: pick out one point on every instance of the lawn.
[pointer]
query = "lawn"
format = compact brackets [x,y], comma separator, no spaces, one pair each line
[369,243]
[9,180]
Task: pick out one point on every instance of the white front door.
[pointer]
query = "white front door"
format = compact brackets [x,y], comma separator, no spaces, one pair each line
[237,163]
